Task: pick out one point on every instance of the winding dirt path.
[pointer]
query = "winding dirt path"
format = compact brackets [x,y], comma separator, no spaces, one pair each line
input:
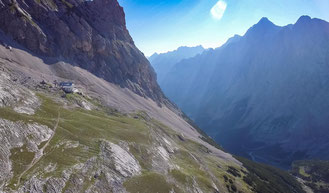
[39,154]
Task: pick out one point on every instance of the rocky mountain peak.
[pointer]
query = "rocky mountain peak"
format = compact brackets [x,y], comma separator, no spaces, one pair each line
[264,26]
[88,34]
[184,48]
[304,19]
[109,12]
[264,23]
[264,20]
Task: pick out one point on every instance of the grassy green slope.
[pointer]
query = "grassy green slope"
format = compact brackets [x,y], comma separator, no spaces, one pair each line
[194,166]
[315,174]
[264,178]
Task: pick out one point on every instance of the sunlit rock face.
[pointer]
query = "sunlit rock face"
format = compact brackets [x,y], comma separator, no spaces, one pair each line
[14,95]
[90,34]
[264,95]
[18,135]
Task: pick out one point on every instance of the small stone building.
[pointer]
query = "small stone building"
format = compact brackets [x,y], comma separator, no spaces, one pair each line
[67,86]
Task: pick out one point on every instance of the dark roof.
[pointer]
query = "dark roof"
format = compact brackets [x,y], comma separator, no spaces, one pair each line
[66,83]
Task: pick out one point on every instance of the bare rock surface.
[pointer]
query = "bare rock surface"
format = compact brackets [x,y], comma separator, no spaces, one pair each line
[17,135]
[13,95]
[89,34]
[123,161]
[109,170]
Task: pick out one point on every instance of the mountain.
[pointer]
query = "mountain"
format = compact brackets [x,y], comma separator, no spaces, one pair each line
[74,31]
[263,95]
[116,131]
[163,63]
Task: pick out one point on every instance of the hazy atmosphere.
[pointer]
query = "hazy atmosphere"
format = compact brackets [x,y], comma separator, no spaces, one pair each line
[160,26]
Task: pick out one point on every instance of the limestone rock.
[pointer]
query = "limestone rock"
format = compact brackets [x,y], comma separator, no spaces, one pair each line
[90,34]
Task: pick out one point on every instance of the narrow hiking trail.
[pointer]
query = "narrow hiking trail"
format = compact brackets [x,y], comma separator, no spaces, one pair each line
[39,154]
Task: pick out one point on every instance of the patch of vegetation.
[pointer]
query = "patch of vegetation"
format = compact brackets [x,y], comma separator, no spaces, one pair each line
[264,178]
[30,20]
[21,159]
[73,97]
[142,155]
[195,161]
[84,127]
[149,183]
[13,7]
[47,2]
[233,171]
[231,188]
[67,4]
[303,173]
[221,170]
[190,166]
[315,173]
[179,176]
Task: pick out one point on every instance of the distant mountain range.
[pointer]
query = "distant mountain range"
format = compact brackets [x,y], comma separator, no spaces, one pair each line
[163,63]
[264,95]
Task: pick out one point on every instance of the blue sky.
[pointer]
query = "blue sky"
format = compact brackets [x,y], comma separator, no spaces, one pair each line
[160,26]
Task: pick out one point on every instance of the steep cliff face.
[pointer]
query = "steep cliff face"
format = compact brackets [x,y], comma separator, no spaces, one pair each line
[89,34]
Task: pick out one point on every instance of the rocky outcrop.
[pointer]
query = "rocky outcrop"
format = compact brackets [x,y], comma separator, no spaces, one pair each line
[19,98]
[89,34]
[124,163]
[24,137]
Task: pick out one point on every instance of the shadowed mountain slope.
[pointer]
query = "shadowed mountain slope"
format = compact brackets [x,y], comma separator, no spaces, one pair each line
[163,63]
[264,95]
